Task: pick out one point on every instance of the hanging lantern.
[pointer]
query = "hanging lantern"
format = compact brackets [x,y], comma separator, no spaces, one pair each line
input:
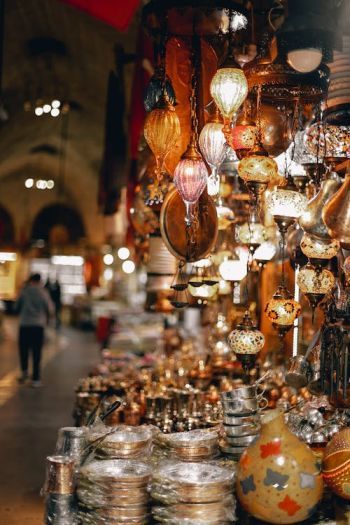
[282,310]
[319,252]
[246,341]
[311,220]
[234,269]
[315,284]
[251,233]
[257,170]
[328,141]
[336,214]
[213,147]
[286,204]
[190,178]
[162,131]
[243,136]
[229,88]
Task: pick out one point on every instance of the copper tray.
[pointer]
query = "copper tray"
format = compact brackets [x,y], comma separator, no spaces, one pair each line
[173,228]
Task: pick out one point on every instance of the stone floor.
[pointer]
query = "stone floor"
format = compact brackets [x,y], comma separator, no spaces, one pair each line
[29,418]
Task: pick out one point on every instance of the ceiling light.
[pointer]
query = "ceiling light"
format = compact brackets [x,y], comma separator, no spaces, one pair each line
[55,112]
[305,60]
[128,266]
[108,259]
[39,111]
[29,183]
[55,104]
[46,108]
[123,253]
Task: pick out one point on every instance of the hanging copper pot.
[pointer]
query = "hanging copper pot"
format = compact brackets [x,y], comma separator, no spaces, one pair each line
[336,214]
[311,220]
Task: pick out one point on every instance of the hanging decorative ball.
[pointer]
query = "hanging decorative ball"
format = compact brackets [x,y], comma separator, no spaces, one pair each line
[246,341]
[315,284]
[257,169]
[162,131]
[213,147]
[190,178]
[229,88]
[336,214]
[282,309]
[336,465]
[316,249]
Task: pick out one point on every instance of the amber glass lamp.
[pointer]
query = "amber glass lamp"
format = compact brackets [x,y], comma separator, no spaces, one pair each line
[246,341]
[318,251]
[315,283]
[242,136]
[282,310]
[162,131]
[257,169]
[286,204]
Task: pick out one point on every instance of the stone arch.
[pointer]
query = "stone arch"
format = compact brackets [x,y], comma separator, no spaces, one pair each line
[58,224]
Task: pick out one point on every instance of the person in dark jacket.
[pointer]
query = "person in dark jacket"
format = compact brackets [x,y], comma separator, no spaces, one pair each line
[35,308]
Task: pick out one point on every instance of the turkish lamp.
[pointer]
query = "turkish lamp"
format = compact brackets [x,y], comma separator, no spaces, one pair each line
[286,205]
[305,60]
[336,214]
[229,89]
[242,136]
[233,270]
[315,283]
[246,341]
[282,310]
[190,178]
[212,144]
[319,252]
[257,170]
[162,131]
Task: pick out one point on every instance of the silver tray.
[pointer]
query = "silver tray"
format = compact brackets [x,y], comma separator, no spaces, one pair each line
[116,470]
[193,473]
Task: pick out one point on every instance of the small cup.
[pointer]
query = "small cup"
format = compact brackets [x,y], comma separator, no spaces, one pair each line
[59,475]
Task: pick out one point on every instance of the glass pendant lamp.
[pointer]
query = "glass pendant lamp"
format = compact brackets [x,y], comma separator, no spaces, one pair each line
[315,283]
[257,169]
[282,309]
[317,251]
[162,131]
[213,147]
[251,233]
[229,86]
[286,205]
[243,136]
[246,341]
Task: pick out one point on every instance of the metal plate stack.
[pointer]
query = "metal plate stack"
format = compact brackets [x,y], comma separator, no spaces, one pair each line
[195,445]
[114,492]
[193,493]
[122,442]
[241,419]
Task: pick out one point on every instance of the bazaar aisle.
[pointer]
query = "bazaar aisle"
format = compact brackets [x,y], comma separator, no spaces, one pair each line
[29,418]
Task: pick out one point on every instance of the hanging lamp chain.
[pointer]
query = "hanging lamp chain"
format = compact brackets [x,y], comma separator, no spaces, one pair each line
[194,88]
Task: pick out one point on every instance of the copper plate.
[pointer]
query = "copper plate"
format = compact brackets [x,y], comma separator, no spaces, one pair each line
[173,229]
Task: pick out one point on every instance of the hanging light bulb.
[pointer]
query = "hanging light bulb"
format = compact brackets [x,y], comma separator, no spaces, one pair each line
[246,341]
[162,131]
[286,204]
[282,310]
[319,252]
[336,214]
[234,269]
[311,220]
[315,284]
[213,147]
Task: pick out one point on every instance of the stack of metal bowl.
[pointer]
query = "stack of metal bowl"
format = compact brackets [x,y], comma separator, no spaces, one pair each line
[195,445]
[114,492]
[241,408]
[193,493]
[121,442]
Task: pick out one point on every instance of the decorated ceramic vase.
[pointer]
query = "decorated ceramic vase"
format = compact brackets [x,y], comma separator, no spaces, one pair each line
[279,479]
[336,464]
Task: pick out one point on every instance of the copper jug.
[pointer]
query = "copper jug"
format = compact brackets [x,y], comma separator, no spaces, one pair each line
[336,214]
[311,220]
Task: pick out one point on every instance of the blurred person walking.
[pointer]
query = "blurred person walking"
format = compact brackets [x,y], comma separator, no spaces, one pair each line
[54,289]
[35,308]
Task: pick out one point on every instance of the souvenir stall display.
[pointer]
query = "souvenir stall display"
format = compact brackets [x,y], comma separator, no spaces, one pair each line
[239,410]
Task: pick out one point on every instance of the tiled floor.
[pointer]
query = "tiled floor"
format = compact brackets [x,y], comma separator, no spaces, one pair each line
[29,418]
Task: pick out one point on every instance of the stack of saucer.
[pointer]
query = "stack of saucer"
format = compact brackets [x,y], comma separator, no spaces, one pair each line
[114,492]
[193,493]
[122,442]
[241,408]
[195,445]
